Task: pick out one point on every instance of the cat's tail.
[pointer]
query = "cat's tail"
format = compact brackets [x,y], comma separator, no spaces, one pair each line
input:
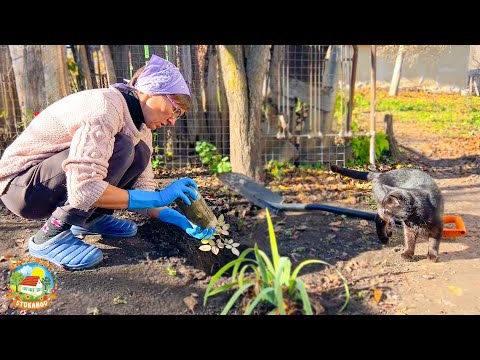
[354,174]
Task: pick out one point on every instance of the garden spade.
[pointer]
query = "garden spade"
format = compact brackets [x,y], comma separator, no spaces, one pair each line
[265,198]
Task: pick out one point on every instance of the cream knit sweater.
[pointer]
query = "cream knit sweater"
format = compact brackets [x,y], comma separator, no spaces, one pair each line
[86,122]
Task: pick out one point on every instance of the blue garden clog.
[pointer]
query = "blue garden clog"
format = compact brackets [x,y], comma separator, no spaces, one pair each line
[66,250]
[107,225]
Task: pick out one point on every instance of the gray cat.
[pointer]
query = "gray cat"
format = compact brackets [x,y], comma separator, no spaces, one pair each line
[408,196]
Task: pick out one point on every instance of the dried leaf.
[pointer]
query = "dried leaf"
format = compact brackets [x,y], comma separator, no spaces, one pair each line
[235,251]
[228,246]
[225,232]
[226,226]
[220,219]
[93,310]
[205,248]
[220,244]
[118,300]
[363,223]
[351,200]
[215,250]
[190,301]
[334,229]
[377,295]
[236,244]
[302,227]
[456,290]
[6,256]
[335,223]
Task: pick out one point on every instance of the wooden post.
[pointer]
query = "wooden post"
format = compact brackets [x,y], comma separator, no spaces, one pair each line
[388,122]
[348,127]
[373,99]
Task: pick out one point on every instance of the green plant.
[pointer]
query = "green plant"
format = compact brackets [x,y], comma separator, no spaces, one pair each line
[156,162]
[315,166]
[215,162]
[361,148]
[272,282]
[278,168]
[221,242]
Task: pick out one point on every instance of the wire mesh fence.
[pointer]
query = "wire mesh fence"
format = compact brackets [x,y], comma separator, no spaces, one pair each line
[304,116]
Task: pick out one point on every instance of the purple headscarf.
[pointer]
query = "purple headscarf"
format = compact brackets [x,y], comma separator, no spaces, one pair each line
[159,76]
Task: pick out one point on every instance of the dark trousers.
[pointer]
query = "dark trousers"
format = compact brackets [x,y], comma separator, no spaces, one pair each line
[40,191]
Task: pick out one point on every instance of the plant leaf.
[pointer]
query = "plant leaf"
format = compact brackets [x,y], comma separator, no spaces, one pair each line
[205,247]
[257,299]
[273,241]
[234,298]
[190,301]
[235,251]
[234,263]
[277,285]
[215,250]
[307,306]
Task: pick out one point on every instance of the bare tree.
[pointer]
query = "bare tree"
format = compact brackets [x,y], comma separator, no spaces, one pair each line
[243,77]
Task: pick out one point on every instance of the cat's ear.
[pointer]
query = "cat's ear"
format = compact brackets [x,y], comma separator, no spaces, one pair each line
[394,198]
[388,189]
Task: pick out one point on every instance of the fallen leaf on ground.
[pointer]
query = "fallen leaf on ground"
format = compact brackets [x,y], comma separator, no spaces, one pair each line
[190,301]
[377,295]
[363,223]
[335,223]
[456,290]
[118,300]
[351,200]
[6,256]
[93,310]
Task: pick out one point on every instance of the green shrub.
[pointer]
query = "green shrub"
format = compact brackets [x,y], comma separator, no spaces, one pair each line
[215,162]
[361,148]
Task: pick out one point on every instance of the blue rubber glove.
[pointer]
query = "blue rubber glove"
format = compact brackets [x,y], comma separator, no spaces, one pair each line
[174,217]
[142,199]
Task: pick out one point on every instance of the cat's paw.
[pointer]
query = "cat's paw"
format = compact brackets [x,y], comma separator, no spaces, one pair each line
[407,255]
[432,257]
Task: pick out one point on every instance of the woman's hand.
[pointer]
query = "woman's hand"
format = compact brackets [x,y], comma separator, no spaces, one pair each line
[174,217]
[141,199]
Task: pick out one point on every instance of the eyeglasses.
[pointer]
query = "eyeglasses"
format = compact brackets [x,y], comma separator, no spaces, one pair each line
[177,112]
